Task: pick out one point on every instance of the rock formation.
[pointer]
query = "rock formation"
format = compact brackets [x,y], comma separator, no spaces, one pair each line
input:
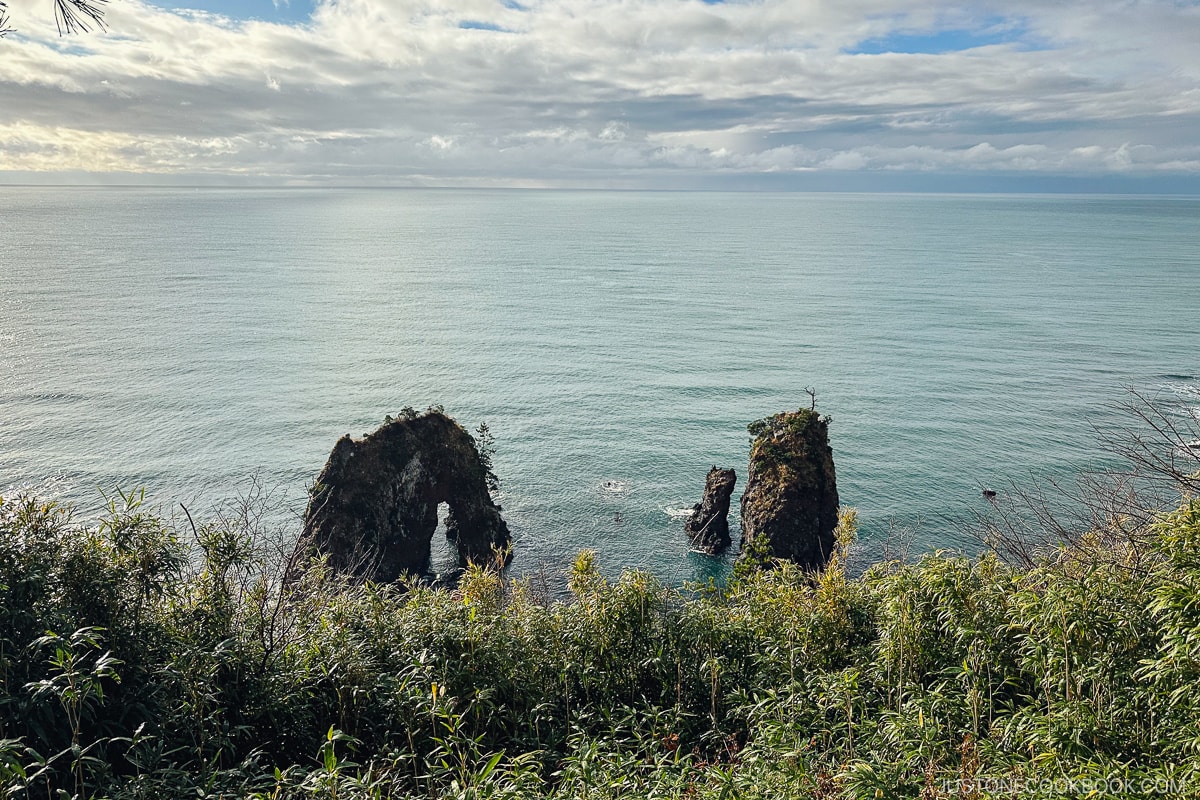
[708,526]
[789,508]
[373,509]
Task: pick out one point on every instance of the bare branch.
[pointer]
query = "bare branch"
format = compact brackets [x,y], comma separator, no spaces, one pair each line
[1105,514]
[70,16]
[1165,453]
[79,16]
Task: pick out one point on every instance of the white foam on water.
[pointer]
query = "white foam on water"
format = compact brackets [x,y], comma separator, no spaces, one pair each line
[1189,391]
[677,513]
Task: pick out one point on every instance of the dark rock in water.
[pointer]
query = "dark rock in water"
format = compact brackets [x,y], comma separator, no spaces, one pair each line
[373,509]
[708,526]
[790,506]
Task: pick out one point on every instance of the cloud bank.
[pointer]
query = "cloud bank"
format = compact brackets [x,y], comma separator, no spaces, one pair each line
[609,93]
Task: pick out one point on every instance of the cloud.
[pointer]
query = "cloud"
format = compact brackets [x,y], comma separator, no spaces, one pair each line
[588,92]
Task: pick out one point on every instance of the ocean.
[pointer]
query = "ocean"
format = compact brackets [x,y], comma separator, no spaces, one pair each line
[197,342]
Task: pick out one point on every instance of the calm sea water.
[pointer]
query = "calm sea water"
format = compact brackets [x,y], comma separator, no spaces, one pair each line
[187,340]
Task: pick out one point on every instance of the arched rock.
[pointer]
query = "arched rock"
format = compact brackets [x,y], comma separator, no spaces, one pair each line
[373,509]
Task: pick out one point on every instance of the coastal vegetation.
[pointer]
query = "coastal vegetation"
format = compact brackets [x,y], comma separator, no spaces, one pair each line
[143,656]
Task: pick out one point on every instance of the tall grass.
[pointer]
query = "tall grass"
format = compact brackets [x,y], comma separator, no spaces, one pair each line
[141,658]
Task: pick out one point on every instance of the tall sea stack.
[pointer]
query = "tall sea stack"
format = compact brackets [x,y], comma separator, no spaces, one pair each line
[791,502]
[374,507]
[708,526]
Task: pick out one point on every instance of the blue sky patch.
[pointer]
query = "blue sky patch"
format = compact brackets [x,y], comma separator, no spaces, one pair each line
[951,40]
[265,10]
[476,25]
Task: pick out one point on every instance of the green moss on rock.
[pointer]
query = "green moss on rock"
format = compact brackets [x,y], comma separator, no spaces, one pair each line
[789,508]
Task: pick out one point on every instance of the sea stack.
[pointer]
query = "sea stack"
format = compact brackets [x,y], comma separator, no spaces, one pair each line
[708,526]
[790,506]
[374,508]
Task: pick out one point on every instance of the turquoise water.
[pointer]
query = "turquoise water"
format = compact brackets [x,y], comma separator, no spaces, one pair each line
[187,340]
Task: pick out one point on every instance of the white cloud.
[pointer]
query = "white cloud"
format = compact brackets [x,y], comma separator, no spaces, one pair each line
[596,91]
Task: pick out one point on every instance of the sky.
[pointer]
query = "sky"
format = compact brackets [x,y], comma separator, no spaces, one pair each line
[858,95]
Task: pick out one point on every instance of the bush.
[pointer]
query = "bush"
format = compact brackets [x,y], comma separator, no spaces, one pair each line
[141,660]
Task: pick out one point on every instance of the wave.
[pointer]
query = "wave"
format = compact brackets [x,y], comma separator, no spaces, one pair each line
[677,513]
[1186,395]
[46,397]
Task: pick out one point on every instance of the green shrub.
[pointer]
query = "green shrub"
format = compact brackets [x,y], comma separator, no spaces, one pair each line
[141,660]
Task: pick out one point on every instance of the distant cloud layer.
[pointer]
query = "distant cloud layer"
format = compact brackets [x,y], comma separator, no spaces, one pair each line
[620,93]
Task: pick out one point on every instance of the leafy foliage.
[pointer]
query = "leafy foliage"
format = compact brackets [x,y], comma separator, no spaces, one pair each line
[784,441]
[485,446]
[140,660]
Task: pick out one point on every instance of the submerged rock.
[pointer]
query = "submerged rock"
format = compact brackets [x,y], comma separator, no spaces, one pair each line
[708,526]
[790,506]
[373,510]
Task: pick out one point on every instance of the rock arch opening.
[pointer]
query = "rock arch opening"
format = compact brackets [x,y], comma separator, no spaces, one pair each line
[374,509]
